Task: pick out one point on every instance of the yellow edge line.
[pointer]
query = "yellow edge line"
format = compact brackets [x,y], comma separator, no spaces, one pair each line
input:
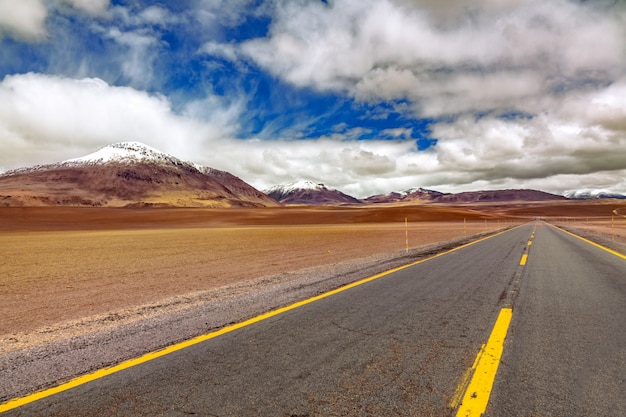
[476,396]
[20,401]
[604,248]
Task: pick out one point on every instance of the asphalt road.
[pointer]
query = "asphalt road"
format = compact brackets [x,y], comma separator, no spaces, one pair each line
[566,349]
[401,344]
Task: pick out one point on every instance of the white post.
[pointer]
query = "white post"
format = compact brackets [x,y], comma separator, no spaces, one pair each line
[406,234]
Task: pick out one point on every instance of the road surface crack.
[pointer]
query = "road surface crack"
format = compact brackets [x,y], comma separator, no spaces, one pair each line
[348,329]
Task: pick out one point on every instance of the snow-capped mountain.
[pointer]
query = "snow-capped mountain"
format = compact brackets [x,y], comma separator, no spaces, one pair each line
[125,152]
[309,193]
[592,194]
[411,195]
[127,173]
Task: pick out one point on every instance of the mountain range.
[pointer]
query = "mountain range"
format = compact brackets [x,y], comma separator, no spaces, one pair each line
[131,174]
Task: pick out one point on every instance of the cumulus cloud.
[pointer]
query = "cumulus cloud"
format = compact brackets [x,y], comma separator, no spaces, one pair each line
[51,116]
[23,19]
[521,91]
[585,138]
[358,168]
[494,55]
[26,19]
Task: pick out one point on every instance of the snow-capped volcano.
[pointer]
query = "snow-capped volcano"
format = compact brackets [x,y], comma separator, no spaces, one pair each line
[305,192]
[125,152]
[128,173]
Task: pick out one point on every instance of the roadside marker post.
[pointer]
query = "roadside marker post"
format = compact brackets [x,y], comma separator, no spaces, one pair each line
[406,233]
[612,226]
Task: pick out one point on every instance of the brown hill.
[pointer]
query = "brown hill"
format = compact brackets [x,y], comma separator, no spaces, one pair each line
[497,196]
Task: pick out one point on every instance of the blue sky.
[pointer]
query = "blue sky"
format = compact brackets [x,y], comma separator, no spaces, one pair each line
[368,96]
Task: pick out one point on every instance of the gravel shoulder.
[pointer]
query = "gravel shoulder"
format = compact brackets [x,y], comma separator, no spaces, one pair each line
[62,352]
[603,234]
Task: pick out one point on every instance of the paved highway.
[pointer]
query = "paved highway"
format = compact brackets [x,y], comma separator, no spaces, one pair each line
[425,340]
[566,350]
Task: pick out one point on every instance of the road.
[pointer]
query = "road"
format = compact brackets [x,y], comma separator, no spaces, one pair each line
[405,344]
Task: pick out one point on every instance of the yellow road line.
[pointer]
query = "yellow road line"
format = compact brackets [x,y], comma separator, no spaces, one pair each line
[523,260]
[530,242]
[474,402]
[604,248]
[465,380]
[17,402]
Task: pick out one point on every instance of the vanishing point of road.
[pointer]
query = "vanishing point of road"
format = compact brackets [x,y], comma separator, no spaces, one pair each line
[529,322]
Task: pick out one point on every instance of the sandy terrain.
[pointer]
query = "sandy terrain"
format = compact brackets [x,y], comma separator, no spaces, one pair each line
[48,278]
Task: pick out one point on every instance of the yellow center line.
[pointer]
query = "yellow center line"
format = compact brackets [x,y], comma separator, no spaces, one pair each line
[474,402]
[523,260]
[18,402]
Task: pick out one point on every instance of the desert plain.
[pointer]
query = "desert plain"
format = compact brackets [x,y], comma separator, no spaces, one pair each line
[65,264]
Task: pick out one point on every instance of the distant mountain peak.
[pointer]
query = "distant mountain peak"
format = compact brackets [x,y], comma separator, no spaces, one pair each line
[410,195]
[298,185]
[305,192]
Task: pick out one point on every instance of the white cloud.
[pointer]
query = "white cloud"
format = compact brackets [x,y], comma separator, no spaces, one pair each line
[528,91]
[142,49]
[46,118]
[446,57]
[91,7]
[24,19]
[223,50]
